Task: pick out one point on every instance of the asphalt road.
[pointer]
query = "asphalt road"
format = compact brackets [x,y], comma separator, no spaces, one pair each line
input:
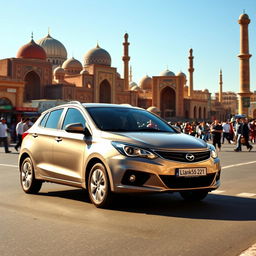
[60,220]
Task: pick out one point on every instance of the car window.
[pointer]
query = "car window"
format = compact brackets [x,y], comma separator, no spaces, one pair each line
[53,119]
[73,116]
[44,120]
[127,120]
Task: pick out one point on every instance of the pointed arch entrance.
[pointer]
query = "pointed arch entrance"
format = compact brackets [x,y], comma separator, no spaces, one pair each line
[32,86]
[105,92]
[168,102]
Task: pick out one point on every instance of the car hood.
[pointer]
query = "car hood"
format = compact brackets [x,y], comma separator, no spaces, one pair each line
[159,140]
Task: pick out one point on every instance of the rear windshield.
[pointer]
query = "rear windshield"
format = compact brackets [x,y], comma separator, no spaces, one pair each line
[127,120]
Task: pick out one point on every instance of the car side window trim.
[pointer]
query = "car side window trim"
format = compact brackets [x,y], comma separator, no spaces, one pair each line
[65,114]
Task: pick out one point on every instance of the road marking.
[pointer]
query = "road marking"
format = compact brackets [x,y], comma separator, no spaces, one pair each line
[234,165]
[9,165]
[218,192]
[246,195]
[249,252]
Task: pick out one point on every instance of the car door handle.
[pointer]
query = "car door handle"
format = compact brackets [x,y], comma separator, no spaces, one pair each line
[34,135]
[58,139]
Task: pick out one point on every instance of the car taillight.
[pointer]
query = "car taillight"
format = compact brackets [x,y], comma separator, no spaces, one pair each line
[24,135]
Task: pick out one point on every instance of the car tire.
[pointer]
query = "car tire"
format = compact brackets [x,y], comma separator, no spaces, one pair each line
[98,186]
[28,182]
[194,195]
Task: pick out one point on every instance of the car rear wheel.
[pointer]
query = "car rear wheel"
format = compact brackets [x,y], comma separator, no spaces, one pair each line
[27,177]
[98,186]
[194,195]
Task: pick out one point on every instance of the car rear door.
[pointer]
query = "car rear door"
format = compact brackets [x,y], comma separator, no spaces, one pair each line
[42,142]
[69,149]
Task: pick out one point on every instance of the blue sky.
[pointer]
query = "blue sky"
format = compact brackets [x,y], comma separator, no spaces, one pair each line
[161,32]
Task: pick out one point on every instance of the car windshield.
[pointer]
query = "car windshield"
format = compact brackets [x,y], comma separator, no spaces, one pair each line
[120,119]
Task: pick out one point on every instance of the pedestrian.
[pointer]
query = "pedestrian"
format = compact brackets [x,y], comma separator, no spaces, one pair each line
[216,130]
[238,133]
[4,134]
[245,134]
[253,131]
[19,132]
[226,132]
[26,125]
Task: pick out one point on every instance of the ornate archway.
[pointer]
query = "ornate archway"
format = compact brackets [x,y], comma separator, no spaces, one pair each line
[32,86]
[5,104]
[105,92]
[200,113]
[195,116]
[204,114]
[168,102]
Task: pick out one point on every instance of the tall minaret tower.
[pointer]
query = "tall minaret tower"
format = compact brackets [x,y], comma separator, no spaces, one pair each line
[244,92]
[190,70]
[130,76]
[220,88]
[126,59]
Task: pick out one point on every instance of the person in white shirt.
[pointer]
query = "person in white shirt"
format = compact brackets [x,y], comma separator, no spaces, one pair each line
[19,132]
[226,132]
[3,134]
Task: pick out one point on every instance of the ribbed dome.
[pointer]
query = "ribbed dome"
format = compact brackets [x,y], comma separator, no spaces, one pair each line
[72,66]
[167,72]
[55,50]
[132,84]
[72,63]
[31,51]
[84,72]
[97,56]
[146,83]
[181,74]
[58,70]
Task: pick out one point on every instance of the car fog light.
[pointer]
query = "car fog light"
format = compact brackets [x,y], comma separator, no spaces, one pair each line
[132,178]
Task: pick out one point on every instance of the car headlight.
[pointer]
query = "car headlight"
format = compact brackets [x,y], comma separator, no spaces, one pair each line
[133,151]
[213,151]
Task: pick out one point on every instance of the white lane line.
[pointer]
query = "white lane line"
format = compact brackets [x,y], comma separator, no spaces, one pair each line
[9,165]
[218,192]
[234,165]
[246,195]
[249,252]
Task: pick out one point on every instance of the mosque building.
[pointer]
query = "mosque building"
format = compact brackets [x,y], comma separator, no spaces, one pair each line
[41,72]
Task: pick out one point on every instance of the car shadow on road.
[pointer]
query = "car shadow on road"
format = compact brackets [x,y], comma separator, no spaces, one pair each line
[214,207]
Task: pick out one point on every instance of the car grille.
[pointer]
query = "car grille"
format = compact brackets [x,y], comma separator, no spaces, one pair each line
[181,156]
[172,181]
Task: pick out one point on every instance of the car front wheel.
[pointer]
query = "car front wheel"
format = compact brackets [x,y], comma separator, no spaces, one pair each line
[194,195]
[27,177]
[98,186]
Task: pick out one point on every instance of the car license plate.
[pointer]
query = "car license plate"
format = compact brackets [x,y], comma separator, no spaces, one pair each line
[191,172]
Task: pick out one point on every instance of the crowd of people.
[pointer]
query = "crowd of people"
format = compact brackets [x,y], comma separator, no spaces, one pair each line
[239,132]
[16,132]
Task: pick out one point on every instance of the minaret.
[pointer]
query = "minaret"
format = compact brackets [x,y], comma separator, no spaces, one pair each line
[220,88]
[244,92]
[190,70]
[130,76]
[126,59]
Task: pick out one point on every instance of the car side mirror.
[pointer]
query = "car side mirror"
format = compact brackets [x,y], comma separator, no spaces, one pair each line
[78,128]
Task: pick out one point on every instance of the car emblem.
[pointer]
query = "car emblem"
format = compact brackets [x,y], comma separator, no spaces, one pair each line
[190,157]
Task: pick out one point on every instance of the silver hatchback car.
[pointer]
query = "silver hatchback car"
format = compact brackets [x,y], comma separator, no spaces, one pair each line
[107,148]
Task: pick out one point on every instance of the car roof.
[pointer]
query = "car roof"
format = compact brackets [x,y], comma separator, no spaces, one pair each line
[98,105]
[89,105]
